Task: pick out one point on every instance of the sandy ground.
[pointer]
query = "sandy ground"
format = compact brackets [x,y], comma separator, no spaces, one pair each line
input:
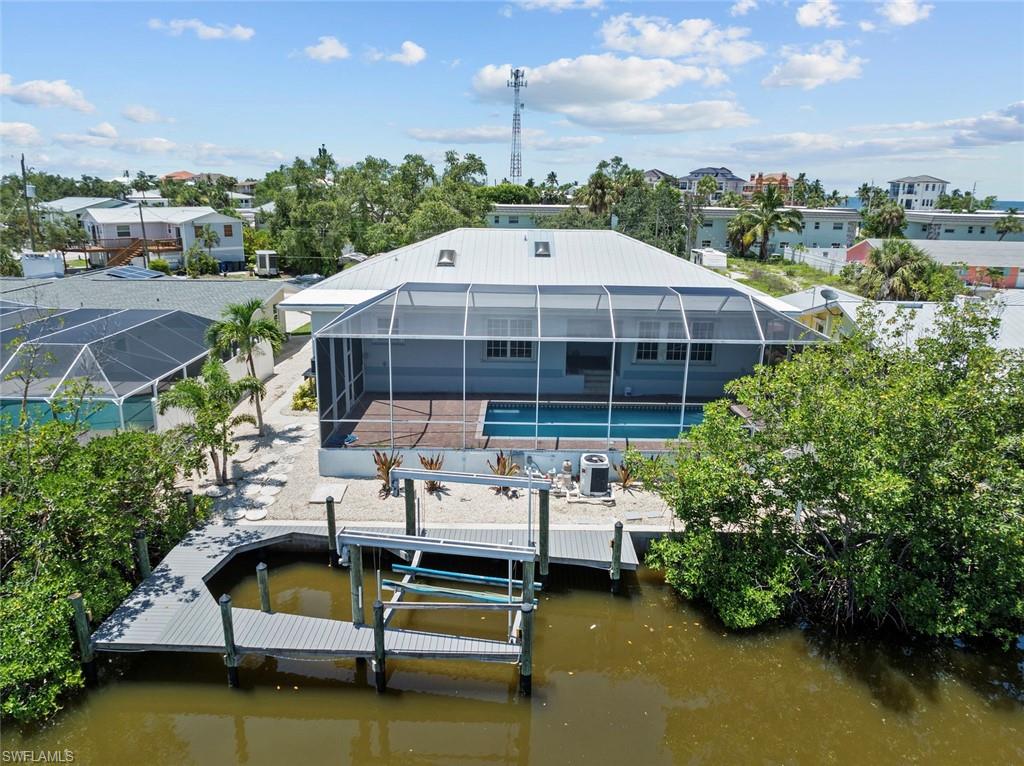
[275,475]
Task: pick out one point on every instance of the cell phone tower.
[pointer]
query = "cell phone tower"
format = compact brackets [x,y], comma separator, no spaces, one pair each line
[517,80]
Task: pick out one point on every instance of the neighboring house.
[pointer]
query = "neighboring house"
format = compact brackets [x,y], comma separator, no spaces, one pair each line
[917,192]
[555,342]
[149,198]
[655,177]
[833,312]
[256,217]
[118,235]
[995,264]
[508,216]
[239,200]
[979,226]
[248,186]
[762,181]
[726,180]
[179,175]
[825,227]
[76,206]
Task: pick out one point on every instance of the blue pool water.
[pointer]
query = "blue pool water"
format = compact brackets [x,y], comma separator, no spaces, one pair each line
[586,421]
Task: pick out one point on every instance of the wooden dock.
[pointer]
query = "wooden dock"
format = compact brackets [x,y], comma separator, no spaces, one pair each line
[173,610]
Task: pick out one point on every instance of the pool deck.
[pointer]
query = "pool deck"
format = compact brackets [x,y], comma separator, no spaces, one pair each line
[436,421]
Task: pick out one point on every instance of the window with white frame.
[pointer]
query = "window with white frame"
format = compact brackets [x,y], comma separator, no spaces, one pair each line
[647,352]
[837,226]
[123,230]
[503,327]
[705,243]
[675,352]
[702,352]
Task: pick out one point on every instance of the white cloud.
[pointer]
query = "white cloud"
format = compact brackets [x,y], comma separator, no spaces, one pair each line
[139,113]
[902,13]
[818,13]
[20,134]
[633,117]
[328,48]
[742,7]
[214,152]
[46,93]
[824,63]
[607,92]
[589,79]
[103,130]
[96,140]
[204,31]
[557,6]
[866,26]
[697,40]
[409,55]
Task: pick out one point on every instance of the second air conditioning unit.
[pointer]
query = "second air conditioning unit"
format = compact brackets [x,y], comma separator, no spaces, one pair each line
[266,263]
[594,470]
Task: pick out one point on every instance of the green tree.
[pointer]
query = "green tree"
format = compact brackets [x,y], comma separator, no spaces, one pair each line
[766,215]
[574,218]
[740,235]
[243,331]
[730,199]
[208,238]
[210,401]
[899,270]
[600,193]
[882,488]
[964,202]
[510,194]
[707,188]
[885,219]
[198,262]
[653,215]
[1009,224]
[9,265]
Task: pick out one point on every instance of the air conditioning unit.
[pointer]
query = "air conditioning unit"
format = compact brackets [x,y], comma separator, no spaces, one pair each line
[594,470]
[266,263]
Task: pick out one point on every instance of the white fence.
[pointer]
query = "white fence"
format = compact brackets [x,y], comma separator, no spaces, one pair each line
[830,259]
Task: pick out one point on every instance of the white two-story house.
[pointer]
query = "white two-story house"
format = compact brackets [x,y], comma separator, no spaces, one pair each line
[917,192]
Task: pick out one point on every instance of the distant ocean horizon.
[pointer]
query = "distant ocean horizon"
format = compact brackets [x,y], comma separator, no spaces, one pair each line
[1002,204]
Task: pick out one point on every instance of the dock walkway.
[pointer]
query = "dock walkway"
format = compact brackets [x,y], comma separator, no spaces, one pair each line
[173,610]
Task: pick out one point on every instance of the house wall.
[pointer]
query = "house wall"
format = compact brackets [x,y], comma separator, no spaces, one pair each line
[515,221]
[981,229]
[230,248]
[819,230]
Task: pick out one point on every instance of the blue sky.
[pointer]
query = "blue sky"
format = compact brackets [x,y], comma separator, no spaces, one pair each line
[844,91]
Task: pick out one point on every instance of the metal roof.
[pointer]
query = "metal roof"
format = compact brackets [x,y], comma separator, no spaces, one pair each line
[68,204]
[174,215]
[203,297]
[973,253]
[119,353]
[918,180]
[506,257]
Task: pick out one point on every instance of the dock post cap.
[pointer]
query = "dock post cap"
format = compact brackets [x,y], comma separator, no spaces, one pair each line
[224,599]
[329,499]
[75,596]
[618,525]
[260,566]
[527,607]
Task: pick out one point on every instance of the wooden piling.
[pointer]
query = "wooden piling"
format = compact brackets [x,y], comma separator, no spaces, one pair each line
[142,555]
[526,652]
[84,641]
[379,668]
[527,582]
[332,533]
[410,507]
[230,653]
[545,515]
[263,581]
[355,583]
[616,567]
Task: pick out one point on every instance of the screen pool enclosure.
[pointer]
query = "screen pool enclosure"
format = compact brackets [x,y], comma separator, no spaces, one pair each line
[436,365]
[126,357]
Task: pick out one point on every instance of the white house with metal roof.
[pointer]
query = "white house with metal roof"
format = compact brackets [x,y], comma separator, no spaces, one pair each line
[76,206]
[510,216]
[979,226]
[553,341]
[174,229]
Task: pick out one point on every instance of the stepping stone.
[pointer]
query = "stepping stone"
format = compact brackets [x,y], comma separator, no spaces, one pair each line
[279,442]
[256,514]
[275,478]
[311,427]
[234,513]
[215,490]
[250,490]
[269,491]
[295,449]
[328,489]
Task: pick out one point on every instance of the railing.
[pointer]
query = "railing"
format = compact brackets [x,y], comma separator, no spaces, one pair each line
[120,243]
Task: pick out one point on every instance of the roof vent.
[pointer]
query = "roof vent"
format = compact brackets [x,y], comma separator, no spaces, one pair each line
[446,258]
[542,249]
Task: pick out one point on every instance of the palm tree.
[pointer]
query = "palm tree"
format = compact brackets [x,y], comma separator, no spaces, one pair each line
[894,271]
[208,237]
[242,330]
[739,236]
[210,399]
[767,215]
[600,194]
[1009,224]
[887,220]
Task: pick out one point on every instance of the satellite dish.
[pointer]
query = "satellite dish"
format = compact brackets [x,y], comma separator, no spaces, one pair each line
[829,294]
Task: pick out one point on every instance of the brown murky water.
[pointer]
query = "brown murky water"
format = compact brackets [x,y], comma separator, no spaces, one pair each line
[642,678]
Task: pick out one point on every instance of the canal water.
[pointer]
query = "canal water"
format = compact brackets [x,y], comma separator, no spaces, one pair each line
[641,678]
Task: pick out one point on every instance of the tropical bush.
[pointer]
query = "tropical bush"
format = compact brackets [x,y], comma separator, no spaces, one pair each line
[432,463]
[304,397]
[886,487]
[199,262]
[503,466]
[385,463]
[70,511]
[159,264]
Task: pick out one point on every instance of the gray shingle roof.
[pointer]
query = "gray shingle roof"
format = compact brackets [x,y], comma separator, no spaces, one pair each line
[202,297]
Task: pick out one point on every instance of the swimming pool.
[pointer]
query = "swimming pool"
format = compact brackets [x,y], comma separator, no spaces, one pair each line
[586,421]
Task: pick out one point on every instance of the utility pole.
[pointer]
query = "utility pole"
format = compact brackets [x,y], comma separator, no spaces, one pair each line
[28,206]
[145,242]
[516,81]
